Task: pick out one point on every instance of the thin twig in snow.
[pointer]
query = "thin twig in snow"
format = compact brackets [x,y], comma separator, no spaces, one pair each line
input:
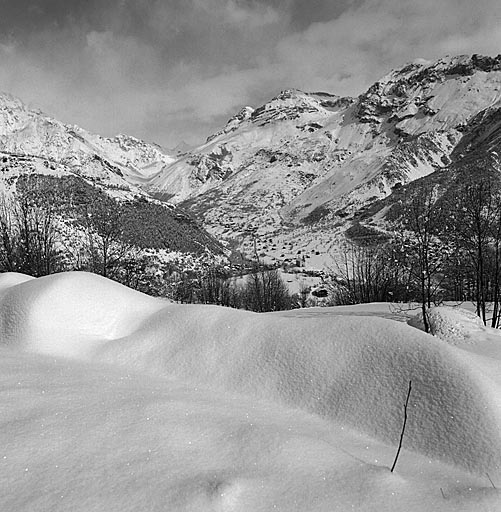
[492,483]
[403,427]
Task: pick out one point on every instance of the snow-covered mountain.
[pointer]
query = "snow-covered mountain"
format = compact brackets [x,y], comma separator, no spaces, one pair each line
[290,177]
[291,173]
[31,140]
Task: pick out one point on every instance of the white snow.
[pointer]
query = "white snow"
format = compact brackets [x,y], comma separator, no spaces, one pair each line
[68,313]
[114,401]
[455,325]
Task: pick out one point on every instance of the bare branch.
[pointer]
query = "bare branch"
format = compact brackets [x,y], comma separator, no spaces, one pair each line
[403,427]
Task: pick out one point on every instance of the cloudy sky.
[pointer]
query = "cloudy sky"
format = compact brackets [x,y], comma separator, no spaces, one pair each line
[168,70]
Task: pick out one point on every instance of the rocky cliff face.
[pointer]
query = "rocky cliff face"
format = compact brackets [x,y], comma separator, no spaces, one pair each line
[291,173]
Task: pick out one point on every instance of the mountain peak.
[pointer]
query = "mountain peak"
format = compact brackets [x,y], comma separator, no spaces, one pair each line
[234,123]
[6,97]
[447,66]
[288,94]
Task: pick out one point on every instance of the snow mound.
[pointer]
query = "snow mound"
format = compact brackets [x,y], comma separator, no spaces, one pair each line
[350,370]
[452,324]
[68,313]
[9,279]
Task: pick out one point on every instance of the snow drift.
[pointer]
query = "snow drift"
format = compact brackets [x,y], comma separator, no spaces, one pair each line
[352,370]
[455,325]
[68,314]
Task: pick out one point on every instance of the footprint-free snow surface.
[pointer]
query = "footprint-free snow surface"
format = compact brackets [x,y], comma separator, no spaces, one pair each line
[114,401]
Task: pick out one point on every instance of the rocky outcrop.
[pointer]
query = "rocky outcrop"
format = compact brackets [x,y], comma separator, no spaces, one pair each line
[234,123]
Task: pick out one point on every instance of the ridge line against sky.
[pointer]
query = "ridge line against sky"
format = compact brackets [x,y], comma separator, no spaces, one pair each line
[174,70]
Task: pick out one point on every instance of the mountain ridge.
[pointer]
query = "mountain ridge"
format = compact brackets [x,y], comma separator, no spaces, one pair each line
[31,133]
[290,177]
[303,163]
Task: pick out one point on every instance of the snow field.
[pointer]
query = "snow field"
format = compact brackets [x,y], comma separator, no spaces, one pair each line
[85,434]
[352,370]
[84,437]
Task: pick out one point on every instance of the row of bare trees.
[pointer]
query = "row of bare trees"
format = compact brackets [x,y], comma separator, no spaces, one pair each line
[261,290]
[36,239]
[456,244]
[29,235]
[367,273]
[445,245]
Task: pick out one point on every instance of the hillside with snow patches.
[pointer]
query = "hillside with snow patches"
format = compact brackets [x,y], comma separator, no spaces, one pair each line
[113,400]
[294,173]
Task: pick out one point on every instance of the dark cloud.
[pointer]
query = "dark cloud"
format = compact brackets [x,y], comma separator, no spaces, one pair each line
[21,18]
[303,14]
[168,70]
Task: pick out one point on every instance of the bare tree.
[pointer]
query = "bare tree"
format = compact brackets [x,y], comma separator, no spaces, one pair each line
[303,295]
[106,247]
[10,238]
[265,290]
[423,251]
[29,233]
[213,286]
[477,225]
[367,273]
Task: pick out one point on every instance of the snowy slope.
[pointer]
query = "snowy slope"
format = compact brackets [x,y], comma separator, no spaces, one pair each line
[237,411]
[308,160]
[79,437]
